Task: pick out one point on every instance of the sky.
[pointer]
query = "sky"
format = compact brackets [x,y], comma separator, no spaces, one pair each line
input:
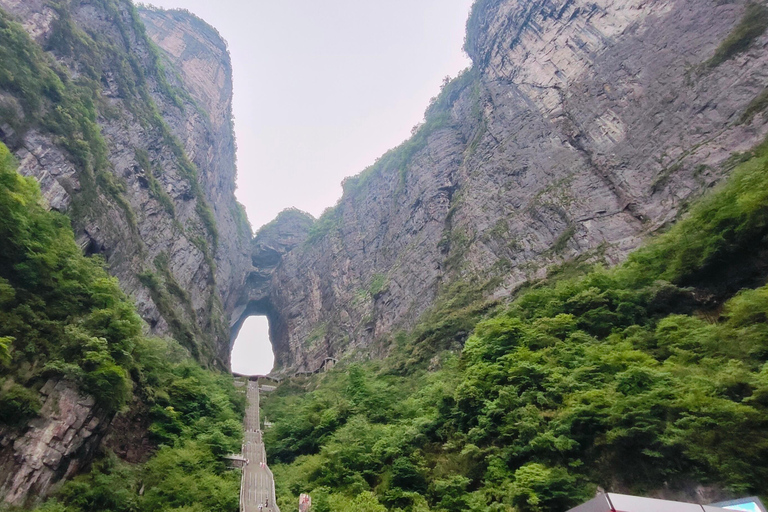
[322,88]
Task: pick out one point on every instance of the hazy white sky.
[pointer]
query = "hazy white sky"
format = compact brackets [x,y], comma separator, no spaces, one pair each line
[321,89]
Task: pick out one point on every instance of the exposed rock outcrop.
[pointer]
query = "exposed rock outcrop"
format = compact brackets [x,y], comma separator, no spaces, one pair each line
[198,52]
[54,446]
[581,127]
[289,230]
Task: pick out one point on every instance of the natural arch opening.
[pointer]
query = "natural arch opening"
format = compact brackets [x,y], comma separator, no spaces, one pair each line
[252,352]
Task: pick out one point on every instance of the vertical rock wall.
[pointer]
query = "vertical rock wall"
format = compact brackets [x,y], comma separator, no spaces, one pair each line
[167,223]
[581,128]
[200,55]
[161,210]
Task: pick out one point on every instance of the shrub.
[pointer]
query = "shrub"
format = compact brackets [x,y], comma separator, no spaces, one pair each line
[18,404]
[538,488]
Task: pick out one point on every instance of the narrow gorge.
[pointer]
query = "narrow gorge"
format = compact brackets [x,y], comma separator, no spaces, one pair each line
[562,269]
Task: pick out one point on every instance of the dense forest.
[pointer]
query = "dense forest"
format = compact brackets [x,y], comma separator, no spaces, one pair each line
[651,375]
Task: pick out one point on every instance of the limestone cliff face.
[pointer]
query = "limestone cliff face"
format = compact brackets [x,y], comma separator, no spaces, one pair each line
[160,207]
[581,127]
[273,241]
[166,221]
[200,55]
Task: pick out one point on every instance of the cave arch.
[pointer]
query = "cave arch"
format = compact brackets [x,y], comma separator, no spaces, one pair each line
[252,352]
[259,308]
[258,296]
[252,308]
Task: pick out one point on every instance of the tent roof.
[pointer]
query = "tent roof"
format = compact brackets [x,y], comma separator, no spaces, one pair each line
[612,502]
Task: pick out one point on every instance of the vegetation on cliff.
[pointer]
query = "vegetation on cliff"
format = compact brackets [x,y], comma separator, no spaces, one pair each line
[63,317]
[395,162]
[77,82]
[650,375]
[197,417]
[62,314]
[752,25]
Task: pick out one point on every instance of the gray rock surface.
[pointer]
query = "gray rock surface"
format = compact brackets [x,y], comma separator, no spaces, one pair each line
[271,243]
[169,240]
[54,446]
[200,55]
[582,127]
[200,118]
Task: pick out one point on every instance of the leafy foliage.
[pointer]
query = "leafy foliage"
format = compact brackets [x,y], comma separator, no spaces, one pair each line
[43,94]
[728,224]
[196,418]
[60,92]
[63,316]
[620,377]
[64,313]
[63,107]
[758,104]
[18,404]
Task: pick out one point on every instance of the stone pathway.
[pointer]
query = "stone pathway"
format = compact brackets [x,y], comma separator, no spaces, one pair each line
[258,484]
